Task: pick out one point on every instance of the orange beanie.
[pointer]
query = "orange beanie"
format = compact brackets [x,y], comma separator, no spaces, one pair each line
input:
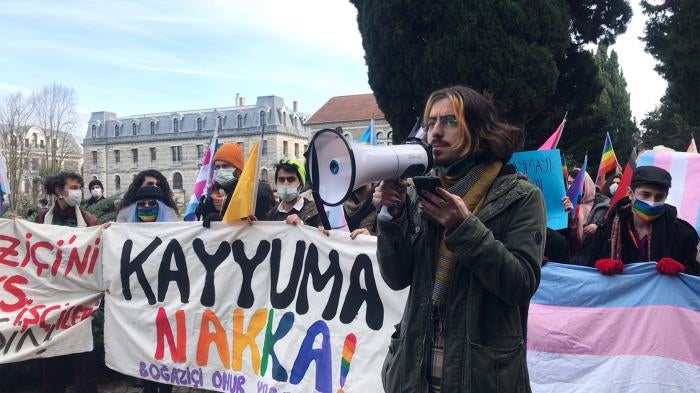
[231,153]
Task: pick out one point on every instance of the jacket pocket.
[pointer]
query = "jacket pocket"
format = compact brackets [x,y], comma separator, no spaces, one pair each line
[498,369]
[392,369]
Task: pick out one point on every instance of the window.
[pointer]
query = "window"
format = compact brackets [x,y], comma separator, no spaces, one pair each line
[117,159]
[117,183]
[380,135]
[239,121]
[41,143]
[134,129]
[284,118]
[219,123]
[262,118]
[199,124]
[153,127]
[35,164]
[35,140]
[285,148]
[116,130]
[296,150]
[176,153]
[176,125]
[153,153]
[94,131]
[264,148]
[135,156]
[177,181]
[94,157]
[200,152]
[26,142]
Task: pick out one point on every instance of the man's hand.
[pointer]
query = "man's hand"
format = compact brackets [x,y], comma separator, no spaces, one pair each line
[390,193]
[293,219]
[447,209]
[358,232]
[568,206]
[590,229]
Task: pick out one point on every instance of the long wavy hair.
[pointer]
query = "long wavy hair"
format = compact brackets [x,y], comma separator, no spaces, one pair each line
[130,195]
[482,133]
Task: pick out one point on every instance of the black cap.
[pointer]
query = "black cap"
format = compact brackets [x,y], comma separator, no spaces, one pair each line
[149,192]
[95,182]
[651,176]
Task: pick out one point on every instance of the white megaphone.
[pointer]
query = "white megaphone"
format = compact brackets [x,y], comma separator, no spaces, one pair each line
[336,168]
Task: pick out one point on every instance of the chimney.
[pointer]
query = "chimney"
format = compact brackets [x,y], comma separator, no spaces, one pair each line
[237,99]
[295,106]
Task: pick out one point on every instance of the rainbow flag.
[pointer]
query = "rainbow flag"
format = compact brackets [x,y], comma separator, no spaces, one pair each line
[564,168]
[204,179]
[244,197]
[684,169]
[553,140]
[576,189]
[635,332]
[608,161]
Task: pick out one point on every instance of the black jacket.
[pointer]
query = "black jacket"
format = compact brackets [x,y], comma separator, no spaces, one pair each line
[671,237]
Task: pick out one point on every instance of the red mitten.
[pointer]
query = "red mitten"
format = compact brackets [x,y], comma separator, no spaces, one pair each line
[609,266]
[669,267]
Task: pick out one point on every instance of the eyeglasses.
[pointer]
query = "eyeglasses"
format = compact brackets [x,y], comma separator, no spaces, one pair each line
[449,121]
[287,179]
[147,203]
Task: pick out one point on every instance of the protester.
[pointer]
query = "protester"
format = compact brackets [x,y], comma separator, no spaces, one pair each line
[43,205]
[642,227]
[610,187]
[97,191]
[265,200]
[228,166]
[481,237]
[67,188]
[360,213]
[290,178]
[148,177]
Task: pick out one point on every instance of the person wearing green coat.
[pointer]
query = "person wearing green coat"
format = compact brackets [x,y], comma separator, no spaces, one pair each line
[475,248]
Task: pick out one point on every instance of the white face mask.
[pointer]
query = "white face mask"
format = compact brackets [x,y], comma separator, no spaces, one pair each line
[225,175]
[74,197]
[613,188]
[96,193]
[288,193]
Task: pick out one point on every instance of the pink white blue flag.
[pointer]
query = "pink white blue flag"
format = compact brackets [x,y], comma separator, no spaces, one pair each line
[336,217]
[685,184]
[204,179]
[635,332]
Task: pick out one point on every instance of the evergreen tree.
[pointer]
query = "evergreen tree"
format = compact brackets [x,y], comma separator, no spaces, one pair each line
[527,56]
[673,38]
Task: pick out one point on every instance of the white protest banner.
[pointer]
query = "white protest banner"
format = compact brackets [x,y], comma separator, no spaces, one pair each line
[50,284]
[266,307]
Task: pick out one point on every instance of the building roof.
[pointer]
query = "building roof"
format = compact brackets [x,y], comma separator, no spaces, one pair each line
[347,108]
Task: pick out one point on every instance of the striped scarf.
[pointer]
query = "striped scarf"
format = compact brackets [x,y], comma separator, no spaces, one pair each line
[473,187]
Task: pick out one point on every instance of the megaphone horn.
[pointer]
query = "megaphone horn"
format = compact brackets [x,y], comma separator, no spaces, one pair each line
[337,168]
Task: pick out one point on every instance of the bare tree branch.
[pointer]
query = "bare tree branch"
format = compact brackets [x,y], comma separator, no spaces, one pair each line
[55,113]
[15,116]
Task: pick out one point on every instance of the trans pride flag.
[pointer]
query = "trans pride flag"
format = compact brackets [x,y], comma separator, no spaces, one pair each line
[635,332]
[685,185]
[204,178]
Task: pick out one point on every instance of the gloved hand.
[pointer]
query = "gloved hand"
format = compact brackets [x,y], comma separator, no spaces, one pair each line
[206,220]
[609,266]
[669,267]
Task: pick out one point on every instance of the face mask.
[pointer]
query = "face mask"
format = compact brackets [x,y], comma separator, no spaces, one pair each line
[288,193]
[613,188]
[648,211]
[225,175]
[147,214]
[96,193]
[74,197]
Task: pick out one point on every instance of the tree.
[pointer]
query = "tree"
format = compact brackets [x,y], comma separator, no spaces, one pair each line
[55,113]
[15,116]
[671,36]
[527,56]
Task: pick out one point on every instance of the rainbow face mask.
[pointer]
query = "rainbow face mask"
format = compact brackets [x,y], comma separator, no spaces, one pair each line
[648,211]
[147,214]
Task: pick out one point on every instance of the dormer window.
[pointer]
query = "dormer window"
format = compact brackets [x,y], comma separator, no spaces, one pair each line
[199,124]
[219,123]
[94,131]
[153,127]
[176,125]
[239,121]
[116,130]
[134,129]
[262,118]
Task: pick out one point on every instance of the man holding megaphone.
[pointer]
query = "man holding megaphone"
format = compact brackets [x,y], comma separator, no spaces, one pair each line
[476,246]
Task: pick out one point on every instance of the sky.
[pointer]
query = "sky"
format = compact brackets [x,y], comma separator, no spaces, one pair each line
[136,57]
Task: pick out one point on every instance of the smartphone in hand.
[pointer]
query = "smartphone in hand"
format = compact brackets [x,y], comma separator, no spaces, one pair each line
[426,183]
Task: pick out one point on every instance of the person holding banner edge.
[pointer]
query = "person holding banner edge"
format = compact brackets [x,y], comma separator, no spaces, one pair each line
[471,254]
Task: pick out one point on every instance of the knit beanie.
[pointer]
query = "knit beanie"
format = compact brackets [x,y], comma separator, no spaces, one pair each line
[231,153]
[299,164]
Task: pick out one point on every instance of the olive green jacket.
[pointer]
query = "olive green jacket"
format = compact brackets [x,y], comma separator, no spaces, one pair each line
[499,254]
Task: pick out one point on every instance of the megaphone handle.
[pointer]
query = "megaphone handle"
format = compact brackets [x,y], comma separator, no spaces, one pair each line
[385,214]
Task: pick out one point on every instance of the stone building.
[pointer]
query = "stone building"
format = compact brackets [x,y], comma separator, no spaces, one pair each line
[117,148]
[352,114]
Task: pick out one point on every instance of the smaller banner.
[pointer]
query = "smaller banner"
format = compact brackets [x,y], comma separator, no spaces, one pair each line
[544,169]
[634,332]
[685,185]
[50,284]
